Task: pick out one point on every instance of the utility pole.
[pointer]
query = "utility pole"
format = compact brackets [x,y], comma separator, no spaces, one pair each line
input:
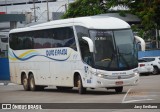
[47,11]
[157,36]
[6,5]
[67,5]
[34,8]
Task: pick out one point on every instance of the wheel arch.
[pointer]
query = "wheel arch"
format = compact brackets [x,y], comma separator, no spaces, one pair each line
[23,73]
[30,73]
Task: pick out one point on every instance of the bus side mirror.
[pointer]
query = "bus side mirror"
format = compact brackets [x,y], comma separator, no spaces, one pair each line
[90,43]
[142,42]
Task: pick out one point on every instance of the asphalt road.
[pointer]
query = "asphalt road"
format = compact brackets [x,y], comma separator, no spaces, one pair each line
[148,91]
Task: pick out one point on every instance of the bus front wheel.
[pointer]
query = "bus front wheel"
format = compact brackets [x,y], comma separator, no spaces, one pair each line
[81,89]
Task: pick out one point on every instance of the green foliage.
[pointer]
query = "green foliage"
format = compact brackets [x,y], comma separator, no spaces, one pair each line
[85,8]
[140,32]
[147,10]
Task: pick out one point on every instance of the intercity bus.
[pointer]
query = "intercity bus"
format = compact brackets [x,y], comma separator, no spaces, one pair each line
[84,52]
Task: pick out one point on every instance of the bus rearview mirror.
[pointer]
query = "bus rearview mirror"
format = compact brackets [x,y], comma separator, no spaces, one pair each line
[90,43]
[142,42]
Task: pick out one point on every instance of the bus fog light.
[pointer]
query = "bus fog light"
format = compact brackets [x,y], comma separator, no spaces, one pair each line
[100,75]
[136,74]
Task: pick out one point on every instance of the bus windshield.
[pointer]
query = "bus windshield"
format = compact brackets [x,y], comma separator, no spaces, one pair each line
[114,49]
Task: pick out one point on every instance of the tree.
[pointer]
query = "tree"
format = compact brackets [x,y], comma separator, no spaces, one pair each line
[81,8]
[147,10]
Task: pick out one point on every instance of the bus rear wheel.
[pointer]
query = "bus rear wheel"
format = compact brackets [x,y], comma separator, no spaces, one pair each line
[25,83]
[32,83]
[81,89]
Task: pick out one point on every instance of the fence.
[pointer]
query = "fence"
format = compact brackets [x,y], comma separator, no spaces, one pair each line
[4,69]
[148,53]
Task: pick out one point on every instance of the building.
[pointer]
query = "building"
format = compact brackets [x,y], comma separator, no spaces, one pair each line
[34,10]
[22,13]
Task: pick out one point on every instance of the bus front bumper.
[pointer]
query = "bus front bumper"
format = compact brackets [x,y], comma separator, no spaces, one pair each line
[102,82]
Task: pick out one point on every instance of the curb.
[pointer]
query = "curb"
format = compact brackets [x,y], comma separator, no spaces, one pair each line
[5,82]
[1,84]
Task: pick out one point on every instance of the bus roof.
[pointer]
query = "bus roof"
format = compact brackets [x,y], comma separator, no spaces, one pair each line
[91,22]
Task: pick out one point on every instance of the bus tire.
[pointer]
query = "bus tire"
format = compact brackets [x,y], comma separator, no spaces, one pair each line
[81,89]
[25,83]
[119,89]
[32,85]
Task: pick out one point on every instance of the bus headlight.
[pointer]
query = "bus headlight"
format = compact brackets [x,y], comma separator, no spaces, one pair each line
[136,73]
[99,75]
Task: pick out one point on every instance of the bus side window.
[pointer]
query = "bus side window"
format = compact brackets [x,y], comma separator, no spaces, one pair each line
[70,39]
[27,40]
[63,37]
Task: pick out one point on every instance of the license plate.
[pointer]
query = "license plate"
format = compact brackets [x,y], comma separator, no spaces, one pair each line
[119,83]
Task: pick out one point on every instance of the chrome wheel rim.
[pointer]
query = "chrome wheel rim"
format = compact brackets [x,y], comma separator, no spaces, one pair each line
[79,84]
[24,82]
[32,83]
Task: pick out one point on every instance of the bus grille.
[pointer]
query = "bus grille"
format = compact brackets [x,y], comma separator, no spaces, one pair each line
[118,76]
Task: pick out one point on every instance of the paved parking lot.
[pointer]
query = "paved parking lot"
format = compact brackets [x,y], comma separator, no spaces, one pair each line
[148,91]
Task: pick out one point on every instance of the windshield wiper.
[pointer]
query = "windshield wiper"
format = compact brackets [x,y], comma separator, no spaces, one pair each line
[124,60]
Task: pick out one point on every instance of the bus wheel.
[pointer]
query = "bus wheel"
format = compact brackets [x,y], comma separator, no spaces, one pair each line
[25,83]
[119,89]
[32,83]
[81,89]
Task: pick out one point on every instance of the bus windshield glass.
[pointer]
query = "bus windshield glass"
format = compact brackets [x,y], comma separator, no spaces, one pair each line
[114,49]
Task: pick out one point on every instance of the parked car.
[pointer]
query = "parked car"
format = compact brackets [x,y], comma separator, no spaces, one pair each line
[144,66]
[155,63]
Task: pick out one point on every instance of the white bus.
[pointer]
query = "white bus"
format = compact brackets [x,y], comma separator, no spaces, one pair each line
[85,52]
